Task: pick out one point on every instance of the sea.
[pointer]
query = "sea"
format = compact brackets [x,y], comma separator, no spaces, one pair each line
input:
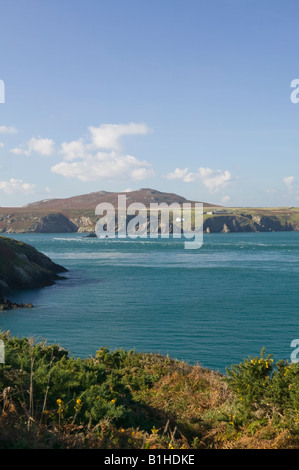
[212,306]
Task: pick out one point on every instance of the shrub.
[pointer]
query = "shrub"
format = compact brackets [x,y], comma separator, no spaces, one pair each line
[265,388]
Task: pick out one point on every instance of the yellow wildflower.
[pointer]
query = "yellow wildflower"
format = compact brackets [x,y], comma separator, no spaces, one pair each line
[78,405]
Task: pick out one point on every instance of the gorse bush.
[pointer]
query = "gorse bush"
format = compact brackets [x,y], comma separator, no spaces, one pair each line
[264,387]
[124,399]
[46,381]
[250,380]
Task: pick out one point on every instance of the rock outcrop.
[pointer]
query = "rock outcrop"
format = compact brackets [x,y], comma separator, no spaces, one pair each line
[34,223]
[23,267]
[8,305]
[246,223]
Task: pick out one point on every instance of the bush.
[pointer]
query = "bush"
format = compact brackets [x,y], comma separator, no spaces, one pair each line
[265,388]
[45,381]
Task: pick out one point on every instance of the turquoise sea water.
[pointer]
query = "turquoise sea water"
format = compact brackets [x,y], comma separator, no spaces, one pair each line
[212,306]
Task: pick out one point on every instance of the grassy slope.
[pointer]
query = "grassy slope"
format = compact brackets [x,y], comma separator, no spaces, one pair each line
[125,399]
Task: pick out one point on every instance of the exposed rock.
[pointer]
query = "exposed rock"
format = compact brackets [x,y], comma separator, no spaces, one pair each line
[225,229]
[84,224]
[23,267]
[55,223]
[227,224]
[245,223]
[32,223]
[8,305]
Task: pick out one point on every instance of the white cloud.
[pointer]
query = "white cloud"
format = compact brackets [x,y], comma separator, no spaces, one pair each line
[73,150]
[8,130]
[1,145]
[270,191]
[85,159]
[289,181]
[14,186]
[225,199]
[107,135]
[109,166]
[41,146]
[214,180]
[179,174]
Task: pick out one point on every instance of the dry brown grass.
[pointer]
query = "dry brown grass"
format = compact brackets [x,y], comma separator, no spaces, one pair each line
[184,407]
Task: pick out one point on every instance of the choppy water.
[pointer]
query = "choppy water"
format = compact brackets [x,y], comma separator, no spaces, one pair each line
[214,306]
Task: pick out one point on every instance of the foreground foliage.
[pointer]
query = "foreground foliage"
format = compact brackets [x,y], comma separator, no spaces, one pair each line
[124,399]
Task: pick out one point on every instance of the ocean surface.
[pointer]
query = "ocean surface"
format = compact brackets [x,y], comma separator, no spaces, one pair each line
[213,306]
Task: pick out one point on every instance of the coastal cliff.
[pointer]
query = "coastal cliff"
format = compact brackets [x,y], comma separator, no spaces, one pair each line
[23,267]
[77,214]
[31,222]
[248,223]
[84,223]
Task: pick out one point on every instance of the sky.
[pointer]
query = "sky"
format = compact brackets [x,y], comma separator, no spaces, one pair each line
[192,97]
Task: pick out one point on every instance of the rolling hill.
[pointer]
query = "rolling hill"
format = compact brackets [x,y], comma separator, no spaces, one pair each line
[77,213]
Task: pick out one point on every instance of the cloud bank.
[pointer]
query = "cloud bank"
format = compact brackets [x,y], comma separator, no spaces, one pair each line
[214,180]
[16,186]
[100,155]
[40,146]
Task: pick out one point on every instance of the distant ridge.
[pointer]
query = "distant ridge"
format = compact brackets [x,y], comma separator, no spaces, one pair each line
[77,213]
[90,201]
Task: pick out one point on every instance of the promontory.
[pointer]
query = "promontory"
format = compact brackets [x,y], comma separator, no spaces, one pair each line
[23,267]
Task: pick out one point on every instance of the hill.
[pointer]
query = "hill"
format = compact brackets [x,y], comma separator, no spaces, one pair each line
[88,202]
[75,214]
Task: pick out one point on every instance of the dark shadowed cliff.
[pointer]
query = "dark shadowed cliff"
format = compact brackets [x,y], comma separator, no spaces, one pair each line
[23,267]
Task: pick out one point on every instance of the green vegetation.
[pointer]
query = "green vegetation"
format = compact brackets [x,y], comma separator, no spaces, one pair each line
[123,399]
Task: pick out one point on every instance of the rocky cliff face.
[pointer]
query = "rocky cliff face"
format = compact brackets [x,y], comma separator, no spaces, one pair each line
[85,222]
[77,214]
[34,223]
[23,267]
[246,223]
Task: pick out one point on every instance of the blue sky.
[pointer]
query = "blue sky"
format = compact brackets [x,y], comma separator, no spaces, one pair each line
[184,96]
